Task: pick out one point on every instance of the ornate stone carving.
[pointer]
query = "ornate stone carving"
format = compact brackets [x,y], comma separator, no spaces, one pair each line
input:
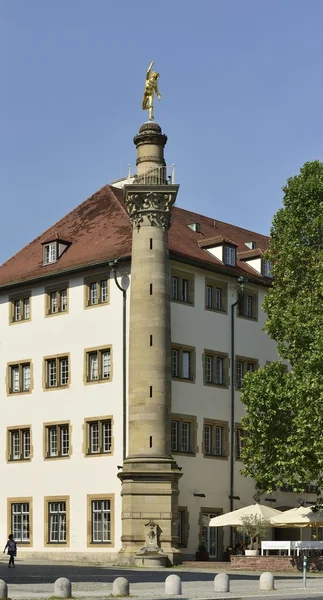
[155,206]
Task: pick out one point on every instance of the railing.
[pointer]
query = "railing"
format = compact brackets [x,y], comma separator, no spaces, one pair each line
[164,175]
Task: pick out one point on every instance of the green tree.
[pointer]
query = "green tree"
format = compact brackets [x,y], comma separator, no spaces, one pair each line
[284,411]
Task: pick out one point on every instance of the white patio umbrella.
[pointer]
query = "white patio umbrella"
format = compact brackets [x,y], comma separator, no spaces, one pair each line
[234,518]
[302,516]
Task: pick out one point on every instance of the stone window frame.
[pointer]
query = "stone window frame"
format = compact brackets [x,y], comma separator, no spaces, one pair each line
[86,436]
[186,526]
[58,288]
[99,350]
[90,499]
[47,501]
[226,368]
[19,363]
[96,278]
[191,350]
[19,296]
[21,429]
[192,420]
[243,307]
[245,360]
[58,358]
[21,500]
[225,439]
[217,284]
[58,425]
[183,276]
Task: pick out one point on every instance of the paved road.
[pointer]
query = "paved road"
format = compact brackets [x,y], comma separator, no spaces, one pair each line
[91,581]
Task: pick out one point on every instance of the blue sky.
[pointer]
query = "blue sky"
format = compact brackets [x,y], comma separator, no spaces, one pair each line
[242,106]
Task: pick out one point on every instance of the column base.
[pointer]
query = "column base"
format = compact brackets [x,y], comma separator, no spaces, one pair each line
[150,501]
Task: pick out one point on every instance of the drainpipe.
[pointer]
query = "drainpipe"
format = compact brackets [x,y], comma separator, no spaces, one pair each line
[124,356]
[241,281]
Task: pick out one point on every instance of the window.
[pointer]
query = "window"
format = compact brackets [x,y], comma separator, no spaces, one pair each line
[56,300]
[266,268]
[183,434]
[216,295]
[229,255]
[182,526]
[182,362]
[97,291]
[56,372]
[20,519]
[215,368]
[215,442]
[243,366]
[99,436]
[19,377]
[19,446]
[57,520]
[182,287]
[50,253]
[101,521]
[317,534]
[247,306]
[240,436]
[20,308]
[57,440]
[98,365]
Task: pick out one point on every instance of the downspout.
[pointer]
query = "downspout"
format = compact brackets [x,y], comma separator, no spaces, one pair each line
[124,358]
[241,281]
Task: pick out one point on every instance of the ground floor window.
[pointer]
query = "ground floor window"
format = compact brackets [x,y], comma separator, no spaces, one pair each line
[183,526]
[209,534]
[57,520]
[101,521]
[100,516]
[20,521]
[317,534]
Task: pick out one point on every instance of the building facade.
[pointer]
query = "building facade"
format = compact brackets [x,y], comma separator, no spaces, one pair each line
[123,348]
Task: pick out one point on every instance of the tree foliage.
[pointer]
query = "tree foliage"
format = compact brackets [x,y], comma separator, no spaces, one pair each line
[284,411]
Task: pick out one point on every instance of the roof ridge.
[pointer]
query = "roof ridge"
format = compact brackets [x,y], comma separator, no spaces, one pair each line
[223,222]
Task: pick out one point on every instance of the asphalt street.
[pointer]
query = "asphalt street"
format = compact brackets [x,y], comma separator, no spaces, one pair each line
[35,577]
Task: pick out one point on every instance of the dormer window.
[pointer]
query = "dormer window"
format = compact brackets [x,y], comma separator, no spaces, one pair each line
[251,245]
[229,255]
[266,268]
[50,253]
[53,248]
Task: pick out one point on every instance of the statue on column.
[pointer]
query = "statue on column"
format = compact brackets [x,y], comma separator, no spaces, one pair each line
[151,88]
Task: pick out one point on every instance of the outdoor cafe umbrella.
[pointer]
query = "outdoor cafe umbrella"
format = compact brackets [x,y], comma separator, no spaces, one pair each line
[303,516]
[234,518]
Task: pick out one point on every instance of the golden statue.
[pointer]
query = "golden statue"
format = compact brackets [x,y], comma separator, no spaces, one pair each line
[151,88]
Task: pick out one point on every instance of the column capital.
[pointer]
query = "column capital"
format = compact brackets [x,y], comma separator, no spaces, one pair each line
[149,204]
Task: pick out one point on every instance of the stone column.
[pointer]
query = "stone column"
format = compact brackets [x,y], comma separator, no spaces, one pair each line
[150,474]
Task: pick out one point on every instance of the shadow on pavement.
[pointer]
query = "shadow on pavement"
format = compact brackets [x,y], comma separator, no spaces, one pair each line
[48,573]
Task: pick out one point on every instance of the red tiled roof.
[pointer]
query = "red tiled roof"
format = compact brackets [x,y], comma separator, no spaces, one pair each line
[99,229]
[252,253]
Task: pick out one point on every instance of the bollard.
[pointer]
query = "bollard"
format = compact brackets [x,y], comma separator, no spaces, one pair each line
[120,587]
[222,583]
[173,585]
[266,582]
[3,590]
[63,588]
